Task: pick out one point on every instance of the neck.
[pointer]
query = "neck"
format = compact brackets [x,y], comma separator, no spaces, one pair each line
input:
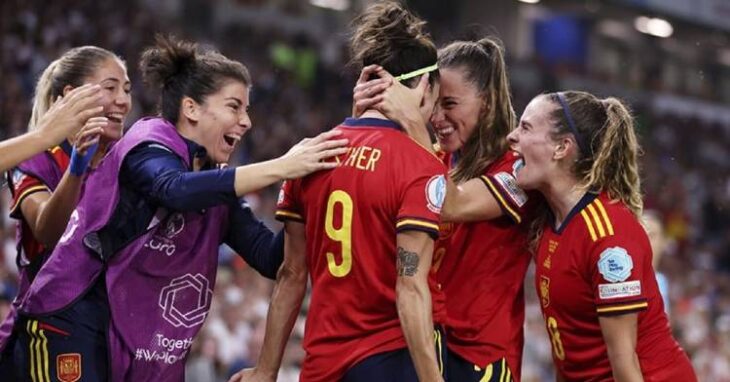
[562,194]
[373,114]
[186,131]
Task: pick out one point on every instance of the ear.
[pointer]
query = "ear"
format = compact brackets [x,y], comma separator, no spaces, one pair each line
[565,146]
[67,89]
[190,109]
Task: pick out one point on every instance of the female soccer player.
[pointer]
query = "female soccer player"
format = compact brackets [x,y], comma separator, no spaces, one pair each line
[64,119]
[594,274]
[143,240]
[482,255]
[364,233]
[44,193]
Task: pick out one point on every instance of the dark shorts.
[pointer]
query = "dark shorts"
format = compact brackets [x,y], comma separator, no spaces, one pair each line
[462,370]
[396,365]
[68,346]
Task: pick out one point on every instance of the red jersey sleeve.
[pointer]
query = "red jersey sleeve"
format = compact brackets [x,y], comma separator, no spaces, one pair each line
[287,206]
[423,190]
[21,186]
[618,263]
[500,181]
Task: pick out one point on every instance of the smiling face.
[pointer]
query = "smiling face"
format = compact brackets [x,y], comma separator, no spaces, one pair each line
[533,140]
[457,112]
[116,99]
[222,120]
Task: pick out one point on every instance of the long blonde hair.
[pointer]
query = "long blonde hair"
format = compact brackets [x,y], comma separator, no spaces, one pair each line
[69,69]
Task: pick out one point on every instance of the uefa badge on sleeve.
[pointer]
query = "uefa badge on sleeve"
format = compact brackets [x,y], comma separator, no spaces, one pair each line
[615,264]
[436,193]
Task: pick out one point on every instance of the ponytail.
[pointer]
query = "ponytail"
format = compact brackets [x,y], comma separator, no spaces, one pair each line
[43,98]
[615,169]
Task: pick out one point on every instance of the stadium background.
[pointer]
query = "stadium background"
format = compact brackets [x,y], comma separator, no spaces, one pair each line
[669,58]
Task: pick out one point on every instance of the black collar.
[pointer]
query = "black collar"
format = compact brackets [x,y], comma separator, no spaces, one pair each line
[582,203]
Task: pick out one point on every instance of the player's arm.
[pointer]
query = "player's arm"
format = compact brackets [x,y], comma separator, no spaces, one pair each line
[468,202]
[413,300]
[254,241]
[304,158]
[291,285]
[18,149]
[47,213]
[619,333]
[63,119]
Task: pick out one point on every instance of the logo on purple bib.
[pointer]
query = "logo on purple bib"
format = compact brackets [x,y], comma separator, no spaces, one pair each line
[185,301]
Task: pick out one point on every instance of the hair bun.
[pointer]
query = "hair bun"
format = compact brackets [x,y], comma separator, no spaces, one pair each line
[168,59]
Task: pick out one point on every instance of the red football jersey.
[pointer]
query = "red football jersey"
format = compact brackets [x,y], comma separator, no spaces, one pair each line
[22,185]
[482,267]
[599,263]
[386,183]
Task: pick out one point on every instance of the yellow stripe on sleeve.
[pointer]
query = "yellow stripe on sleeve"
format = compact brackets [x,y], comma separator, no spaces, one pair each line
[419,223]
[609,309]
[589,224]
[501,200]
[27,192]
[605,216]
[289,214]
[597,220]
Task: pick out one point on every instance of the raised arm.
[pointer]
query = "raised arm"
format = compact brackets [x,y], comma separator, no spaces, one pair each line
[63,119]
[291,285]
[413,300]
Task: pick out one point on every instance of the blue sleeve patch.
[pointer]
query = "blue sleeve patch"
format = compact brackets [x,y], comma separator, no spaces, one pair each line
[615,264]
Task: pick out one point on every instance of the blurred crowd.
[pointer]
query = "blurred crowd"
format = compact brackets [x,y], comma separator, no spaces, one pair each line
[686,176]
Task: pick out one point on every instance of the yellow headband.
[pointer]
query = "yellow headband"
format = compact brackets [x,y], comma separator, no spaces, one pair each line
[417,72]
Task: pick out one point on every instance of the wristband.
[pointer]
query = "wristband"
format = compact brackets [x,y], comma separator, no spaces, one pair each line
[80,163]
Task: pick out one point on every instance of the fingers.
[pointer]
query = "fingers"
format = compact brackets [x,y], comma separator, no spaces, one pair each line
[330,144]
[88,113]
[369,103]
[327,135]
[367,71]
[235,377]
[82,92]
[86,99]
[325,154]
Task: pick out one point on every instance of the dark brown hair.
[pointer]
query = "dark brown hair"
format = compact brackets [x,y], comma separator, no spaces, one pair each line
[482,63]
[180,69]
[389,35]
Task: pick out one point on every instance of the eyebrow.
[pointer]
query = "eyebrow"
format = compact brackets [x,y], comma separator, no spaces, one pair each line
[238,101]
[115,80]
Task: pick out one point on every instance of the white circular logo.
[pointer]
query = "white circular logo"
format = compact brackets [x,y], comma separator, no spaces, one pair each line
[436,193]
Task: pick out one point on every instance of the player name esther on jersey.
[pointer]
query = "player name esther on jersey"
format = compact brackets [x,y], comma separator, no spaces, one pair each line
[360,157]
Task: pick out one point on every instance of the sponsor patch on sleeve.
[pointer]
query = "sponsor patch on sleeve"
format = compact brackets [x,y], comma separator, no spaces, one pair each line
[620,290]
[509,184]
[436,193]
[615,264]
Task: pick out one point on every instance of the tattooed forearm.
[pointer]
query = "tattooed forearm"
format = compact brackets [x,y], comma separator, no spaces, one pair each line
[407,262]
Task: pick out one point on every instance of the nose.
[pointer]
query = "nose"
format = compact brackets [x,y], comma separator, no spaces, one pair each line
[123,99]
[245,121]
[512,137]
[438,114]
